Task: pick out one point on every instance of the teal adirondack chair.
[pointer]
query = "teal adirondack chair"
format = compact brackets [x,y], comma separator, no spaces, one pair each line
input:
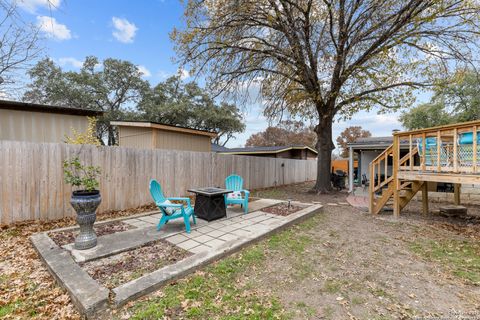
[235,183]
[170,210]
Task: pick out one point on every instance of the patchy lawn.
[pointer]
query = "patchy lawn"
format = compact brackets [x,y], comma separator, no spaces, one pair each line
[340,264]
[460,257]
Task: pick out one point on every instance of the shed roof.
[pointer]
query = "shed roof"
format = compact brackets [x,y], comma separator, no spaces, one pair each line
[36,107]
[162,126]
[267,149]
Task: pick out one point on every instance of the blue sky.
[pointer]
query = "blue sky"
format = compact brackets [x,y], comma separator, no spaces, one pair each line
[138,31]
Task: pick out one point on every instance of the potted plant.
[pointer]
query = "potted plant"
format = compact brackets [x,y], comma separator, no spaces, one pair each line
[85,199]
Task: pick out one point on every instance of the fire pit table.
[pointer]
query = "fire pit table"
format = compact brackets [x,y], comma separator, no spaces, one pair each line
[209,203]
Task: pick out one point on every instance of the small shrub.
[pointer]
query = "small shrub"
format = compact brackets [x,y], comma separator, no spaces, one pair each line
[88,137]
[81,176]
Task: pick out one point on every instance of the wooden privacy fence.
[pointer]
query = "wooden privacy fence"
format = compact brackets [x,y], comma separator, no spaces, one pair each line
[32,186]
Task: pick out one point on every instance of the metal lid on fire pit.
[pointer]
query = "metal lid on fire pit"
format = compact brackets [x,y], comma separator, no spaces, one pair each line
[210,191]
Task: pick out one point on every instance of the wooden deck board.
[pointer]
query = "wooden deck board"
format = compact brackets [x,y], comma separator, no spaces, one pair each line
[439,177]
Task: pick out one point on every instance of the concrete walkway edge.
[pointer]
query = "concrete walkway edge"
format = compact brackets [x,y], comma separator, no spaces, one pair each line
[86,293]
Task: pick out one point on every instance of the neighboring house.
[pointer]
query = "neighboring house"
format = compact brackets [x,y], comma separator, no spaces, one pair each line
[219,148]
[151,135]
[33,122]
[285,152]
[367,149]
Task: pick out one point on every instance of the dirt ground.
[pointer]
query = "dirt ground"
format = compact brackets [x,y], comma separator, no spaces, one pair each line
[362,266]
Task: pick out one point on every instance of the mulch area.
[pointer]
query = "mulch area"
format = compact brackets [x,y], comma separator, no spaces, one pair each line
[283,209]
[62,238]
[27,290]
[121,268]
[468,226]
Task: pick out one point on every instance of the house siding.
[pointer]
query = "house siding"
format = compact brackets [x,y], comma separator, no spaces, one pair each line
[39,127]
[135,137]
[181,141]
[153,138]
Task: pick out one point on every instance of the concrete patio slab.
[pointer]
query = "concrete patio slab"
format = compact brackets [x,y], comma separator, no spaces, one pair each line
[207,242]
[118,242]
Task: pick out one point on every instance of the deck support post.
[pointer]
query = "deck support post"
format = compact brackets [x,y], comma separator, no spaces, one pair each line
[371,191]
[456,193]
[396,182]
[350,170]
[425,197]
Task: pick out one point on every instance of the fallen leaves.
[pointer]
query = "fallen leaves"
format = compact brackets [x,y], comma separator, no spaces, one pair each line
[118,269]
[283,209]
[62,238]
[27,289]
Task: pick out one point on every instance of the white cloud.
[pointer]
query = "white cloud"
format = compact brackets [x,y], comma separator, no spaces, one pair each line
[70,61]
[53,29]
[124,30]
[145,72]
[33,5]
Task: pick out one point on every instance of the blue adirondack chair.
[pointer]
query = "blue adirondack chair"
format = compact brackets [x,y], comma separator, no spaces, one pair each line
[170,210]
[235,183]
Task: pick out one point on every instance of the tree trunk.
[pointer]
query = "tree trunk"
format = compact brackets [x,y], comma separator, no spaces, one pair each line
[325,147]
[111,136]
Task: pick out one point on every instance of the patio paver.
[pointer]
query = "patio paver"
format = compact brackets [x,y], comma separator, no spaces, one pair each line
[216,233]
[228,237]
[203,238]
[200,248]
[189,244]
[176,239]
[241,233]
[214,243]
[205,229]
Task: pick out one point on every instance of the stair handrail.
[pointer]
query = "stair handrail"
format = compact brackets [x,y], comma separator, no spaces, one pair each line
[389,149]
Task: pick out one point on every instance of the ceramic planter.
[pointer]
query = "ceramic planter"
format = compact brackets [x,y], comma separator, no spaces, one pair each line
[85,204]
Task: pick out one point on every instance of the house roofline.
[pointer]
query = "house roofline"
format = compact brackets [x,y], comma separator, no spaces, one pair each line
[271,151]
[161,126]
[45,108]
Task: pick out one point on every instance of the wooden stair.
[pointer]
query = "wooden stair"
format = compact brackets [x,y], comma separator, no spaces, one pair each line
[406,189]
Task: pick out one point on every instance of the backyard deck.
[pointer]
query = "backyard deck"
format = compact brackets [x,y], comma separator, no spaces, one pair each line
[440,154]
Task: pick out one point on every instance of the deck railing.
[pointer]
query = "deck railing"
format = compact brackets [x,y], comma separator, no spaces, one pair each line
[444,149]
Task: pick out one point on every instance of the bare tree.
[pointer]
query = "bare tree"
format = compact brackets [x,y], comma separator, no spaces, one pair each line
[323,59]
[350,135]
[18,45]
